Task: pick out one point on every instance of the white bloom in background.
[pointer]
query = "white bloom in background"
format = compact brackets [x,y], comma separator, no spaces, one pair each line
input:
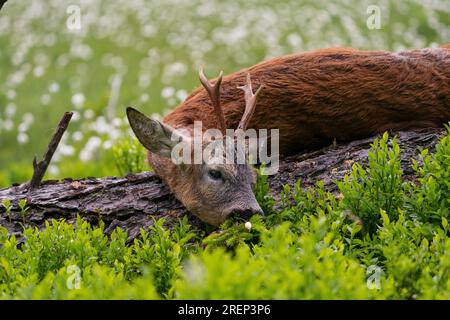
[77,136]
[167,92]
[101,125]
[53,170]
[144,80]
[182,95]
[87,153]
[11,94]
[8,125]
[22,138]
[53,87]
[16,78]
[148,30]
[76,116]
[107,145]
[116,122]
[248,225]
[10,110]
[17,58]
[89,114]
[176,69]
[115,134]
[80,50]
[66,150]
[154,56]
[28,118]
[78,100]
[23,127]
[45,99]
[38,71]
[294,40]
[62,60]
[144,97]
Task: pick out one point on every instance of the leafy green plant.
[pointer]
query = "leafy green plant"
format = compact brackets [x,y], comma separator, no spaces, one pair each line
[164,251]
[378,187]
[6,203]
[262,191]
[430,200]
[129,156]
[383,239]
[235,232]
[23,209]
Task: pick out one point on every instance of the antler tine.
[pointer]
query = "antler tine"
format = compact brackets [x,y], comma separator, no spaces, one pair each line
[250,102]
[214,93]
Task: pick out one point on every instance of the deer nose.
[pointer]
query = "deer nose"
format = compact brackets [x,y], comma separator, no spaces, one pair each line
[246,214]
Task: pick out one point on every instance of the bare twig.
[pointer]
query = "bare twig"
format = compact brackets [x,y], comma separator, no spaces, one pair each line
[41,167]
[2,2]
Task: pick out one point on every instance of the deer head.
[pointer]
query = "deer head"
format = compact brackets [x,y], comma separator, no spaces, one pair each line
[212,190]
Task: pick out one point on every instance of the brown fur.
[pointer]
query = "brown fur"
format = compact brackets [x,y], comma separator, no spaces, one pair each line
[340,93]
[318,96]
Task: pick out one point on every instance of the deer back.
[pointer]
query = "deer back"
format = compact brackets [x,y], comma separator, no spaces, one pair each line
[344,94]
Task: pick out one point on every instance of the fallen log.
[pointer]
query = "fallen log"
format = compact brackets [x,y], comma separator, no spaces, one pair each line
[134,201]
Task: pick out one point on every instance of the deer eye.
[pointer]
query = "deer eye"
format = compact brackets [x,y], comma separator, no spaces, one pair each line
[215,174]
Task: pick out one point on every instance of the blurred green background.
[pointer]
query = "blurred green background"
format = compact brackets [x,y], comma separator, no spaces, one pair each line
[146,53]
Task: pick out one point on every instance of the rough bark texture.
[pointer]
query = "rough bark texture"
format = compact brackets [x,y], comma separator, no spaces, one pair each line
[133,201]
[41,167]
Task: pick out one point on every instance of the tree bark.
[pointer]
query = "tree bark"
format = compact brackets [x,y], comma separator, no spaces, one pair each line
[132,202]
[2,2]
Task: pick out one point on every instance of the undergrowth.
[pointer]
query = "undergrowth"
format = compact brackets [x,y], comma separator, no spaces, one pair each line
[381,238]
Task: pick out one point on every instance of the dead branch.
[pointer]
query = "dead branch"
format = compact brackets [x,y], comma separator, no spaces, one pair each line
[41,167]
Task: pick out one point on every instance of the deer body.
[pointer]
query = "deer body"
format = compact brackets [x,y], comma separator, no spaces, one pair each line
[316,97]
[345,94]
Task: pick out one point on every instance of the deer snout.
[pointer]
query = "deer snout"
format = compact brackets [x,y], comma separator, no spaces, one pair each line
[246,213]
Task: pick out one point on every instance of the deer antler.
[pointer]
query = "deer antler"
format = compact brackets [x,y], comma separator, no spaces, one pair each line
[214,94]
[250,102]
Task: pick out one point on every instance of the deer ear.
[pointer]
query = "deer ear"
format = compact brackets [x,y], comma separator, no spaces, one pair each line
[156,136]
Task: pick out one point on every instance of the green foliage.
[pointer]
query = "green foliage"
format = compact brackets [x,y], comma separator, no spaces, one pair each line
[384,239]
[431,201]
[48,263]
[378,187]
[6,203]
[129,156]
[164,252]
[15,172]
[235,232]
[262,191]
[284,265]
[23,209]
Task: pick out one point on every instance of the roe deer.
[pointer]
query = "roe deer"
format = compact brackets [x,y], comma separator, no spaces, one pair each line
[312,98]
